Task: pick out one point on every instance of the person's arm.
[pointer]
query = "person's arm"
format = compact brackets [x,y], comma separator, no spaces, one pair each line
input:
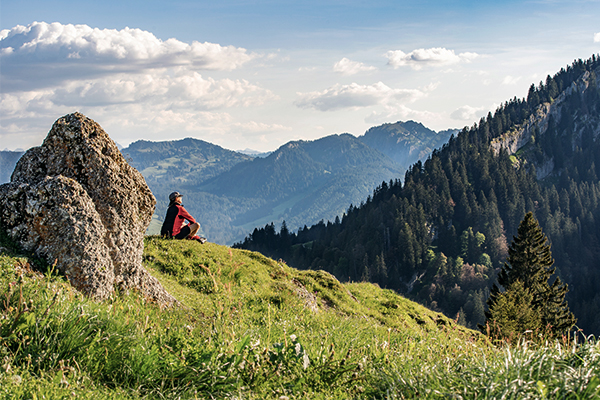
[186,215]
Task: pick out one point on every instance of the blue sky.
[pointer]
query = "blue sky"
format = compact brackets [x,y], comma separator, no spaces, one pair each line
[257,74]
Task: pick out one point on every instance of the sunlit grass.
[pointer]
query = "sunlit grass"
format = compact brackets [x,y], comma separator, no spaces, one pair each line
[247,331]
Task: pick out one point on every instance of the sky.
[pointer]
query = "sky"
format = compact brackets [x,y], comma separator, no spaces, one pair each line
[258,74]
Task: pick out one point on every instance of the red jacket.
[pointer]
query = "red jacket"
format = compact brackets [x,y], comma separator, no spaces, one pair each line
[176,215]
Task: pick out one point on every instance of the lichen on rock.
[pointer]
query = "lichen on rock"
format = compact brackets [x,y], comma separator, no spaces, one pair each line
[76,201]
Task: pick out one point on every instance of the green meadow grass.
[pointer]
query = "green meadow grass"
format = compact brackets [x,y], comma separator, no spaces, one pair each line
[249,327]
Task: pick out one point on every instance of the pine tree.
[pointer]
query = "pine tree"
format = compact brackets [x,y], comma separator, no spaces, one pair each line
[530,264]
[512,314]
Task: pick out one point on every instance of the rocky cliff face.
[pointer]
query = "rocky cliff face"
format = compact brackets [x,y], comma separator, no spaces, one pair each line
[538,123]
[75,201]
[513,140]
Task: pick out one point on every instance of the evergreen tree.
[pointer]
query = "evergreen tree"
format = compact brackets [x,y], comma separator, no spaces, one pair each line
[512,314]
[529,265]
[478,313]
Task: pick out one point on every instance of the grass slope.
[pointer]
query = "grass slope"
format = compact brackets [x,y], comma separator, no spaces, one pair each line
[219,274]
[250,327]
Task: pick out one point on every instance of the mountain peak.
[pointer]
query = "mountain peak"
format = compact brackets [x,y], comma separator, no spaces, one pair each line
[405,142]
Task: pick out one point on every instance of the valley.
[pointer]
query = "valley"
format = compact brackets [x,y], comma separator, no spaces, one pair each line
[301,183]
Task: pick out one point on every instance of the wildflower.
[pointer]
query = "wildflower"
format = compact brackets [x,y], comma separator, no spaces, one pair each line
[305,361]
[293,337]
[17,379]
[298,349]
[6,366]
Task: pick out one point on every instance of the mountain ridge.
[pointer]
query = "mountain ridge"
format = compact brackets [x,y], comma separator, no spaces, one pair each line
[301,182]
[320,157]
[199,158]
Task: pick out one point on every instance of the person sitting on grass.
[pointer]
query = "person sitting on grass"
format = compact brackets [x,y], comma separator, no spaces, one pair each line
[174,225]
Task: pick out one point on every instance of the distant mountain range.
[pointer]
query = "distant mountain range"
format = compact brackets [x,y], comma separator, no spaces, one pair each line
[302,182]
[255,153]
[8,160]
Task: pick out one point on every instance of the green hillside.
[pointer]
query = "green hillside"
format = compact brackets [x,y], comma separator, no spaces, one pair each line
[218,273]
[250,327]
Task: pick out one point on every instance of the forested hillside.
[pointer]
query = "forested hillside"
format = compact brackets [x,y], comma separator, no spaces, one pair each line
[187,160]
[441,236]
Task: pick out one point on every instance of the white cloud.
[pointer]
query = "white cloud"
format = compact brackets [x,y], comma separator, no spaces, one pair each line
[185,90]
[253,127]
[596,37]
[356,96]
[131,82]
[511,80]
[468,113]
[128,122]
[213,123]
[307,69]
[349,67]
[418,58]
[134,106]
[156,120]
[42,52]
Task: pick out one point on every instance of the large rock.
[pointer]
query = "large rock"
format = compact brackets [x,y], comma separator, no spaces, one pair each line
[76,201]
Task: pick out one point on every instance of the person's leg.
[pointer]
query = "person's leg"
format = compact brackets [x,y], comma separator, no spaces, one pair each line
[193,229]
[183,233]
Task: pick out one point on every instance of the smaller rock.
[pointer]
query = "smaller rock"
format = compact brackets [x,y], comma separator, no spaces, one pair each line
[310,300]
